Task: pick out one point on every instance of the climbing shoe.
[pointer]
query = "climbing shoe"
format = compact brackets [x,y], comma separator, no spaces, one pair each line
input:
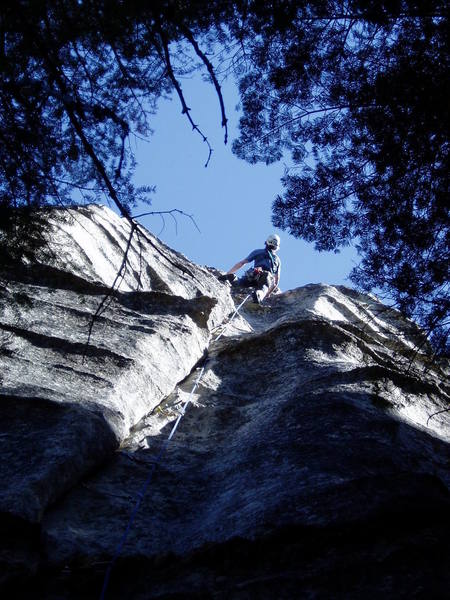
[231,277]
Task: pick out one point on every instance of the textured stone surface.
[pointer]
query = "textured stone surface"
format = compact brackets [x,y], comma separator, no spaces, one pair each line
[66,404]
[305,466]
[305,433]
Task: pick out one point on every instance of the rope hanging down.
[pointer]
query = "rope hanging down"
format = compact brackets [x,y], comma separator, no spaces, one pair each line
[142,491]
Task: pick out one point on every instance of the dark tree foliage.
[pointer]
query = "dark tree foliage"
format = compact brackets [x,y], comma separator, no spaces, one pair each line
[358,92]
[355,90]
[79,78]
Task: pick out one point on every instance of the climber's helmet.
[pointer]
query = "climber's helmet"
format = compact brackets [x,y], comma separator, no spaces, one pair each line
[273,241]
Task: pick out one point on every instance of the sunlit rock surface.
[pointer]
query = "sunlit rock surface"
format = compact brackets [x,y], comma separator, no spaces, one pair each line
[72,386]
[307,464]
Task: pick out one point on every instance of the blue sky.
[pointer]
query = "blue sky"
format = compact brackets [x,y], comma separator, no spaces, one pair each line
[230,200]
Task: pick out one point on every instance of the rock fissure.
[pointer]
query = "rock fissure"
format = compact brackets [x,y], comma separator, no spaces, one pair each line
[41,340]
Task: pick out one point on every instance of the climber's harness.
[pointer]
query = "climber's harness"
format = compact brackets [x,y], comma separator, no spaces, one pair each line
[256,274]
[253,275]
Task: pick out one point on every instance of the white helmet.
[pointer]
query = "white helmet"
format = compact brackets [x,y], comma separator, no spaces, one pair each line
[273,241]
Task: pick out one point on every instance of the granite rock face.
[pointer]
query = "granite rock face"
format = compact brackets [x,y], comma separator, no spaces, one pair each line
[306,465]
[72,387]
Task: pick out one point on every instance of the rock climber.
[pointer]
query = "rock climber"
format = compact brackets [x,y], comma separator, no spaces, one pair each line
[265,273]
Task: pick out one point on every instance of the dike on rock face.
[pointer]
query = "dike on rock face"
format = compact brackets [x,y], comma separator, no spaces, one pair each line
[306,464]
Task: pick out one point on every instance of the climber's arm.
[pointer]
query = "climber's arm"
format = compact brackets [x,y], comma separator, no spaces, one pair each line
[237,266]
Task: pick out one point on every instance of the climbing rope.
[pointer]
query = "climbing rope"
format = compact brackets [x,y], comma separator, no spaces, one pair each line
[236,310]
[142,491]
[200,375]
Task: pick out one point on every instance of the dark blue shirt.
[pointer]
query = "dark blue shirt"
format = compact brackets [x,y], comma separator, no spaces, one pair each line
[262,259]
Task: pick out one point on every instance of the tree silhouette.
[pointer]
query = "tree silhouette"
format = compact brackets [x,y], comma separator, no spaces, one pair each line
[78,80]
[357,93]
[355,90]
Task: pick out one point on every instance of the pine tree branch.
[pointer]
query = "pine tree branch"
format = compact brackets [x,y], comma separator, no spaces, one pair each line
[185,109]
[168,212]
[99,166]
[202,55]
[119,276]
[437,413]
